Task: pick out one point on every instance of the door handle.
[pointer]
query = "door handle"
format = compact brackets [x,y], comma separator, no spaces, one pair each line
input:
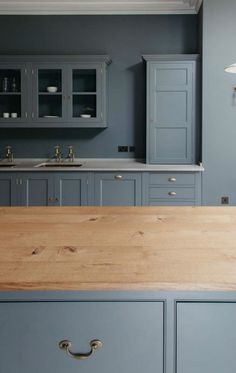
[95,344]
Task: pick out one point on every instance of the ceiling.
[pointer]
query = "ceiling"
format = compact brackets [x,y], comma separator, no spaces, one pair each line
[99,6]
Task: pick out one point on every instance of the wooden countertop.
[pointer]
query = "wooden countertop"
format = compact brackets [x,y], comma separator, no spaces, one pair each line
[128,248]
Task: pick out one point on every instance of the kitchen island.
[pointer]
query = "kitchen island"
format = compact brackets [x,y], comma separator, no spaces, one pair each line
[122,289]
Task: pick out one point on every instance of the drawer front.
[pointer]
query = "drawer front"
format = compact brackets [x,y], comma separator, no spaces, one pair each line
[171,193]
[172,178]
[171,203]
[206,337]
[131,333]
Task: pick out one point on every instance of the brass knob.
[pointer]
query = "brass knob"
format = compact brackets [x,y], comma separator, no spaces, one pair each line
[95,344]
[172,194]
[172,179]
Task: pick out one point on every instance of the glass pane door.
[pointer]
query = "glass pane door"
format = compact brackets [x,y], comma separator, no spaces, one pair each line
[84,93]
[10,94]
[50,94]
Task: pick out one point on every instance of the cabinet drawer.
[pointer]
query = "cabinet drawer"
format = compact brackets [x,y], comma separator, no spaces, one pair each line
[171,193]
[131,334]
[172,178]
[171,203]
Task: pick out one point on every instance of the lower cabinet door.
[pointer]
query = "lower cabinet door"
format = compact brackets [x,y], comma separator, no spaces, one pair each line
[8,189]
[206,337]
[37,189]
[71,189]
[128,337]
[117,189]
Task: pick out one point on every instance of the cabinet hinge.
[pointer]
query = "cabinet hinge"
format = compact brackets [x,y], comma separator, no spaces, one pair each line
[87,181]
[26,114]
[17,181]
[32,71]
[32,115]
[25,71]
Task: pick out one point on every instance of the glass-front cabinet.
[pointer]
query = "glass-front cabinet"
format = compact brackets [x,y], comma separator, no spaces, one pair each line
[13,100]
[54,91]
[49,94]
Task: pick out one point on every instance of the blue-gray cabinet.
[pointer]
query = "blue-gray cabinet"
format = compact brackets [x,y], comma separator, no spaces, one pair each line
[8,189]
[206,337]
[68,188]
[43,189]
[53,91]
[172,189]
[71,189]
[14,82]
[131,334]
[172,109]
[138,331]
[117,189]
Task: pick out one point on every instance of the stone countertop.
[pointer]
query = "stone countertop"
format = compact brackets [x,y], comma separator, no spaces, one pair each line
[117,248]
[91,164]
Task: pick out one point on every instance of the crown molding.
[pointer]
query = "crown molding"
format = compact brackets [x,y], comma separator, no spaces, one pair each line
[12,7]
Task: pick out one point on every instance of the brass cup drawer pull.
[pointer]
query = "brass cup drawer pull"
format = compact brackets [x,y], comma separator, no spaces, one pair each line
[172,179]
[172,194]
[95,344]
[118,177]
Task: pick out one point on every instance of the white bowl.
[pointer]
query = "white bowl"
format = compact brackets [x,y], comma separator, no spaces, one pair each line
[52,89]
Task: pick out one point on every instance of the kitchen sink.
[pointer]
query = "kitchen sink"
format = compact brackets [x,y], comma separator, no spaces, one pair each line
[59,164]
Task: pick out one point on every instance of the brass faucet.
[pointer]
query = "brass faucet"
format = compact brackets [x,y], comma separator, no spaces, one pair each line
[9,153]
[71,153]
[57,153]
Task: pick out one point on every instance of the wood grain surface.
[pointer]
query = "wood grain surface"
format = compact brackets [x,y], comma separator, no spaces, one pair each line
[118,248]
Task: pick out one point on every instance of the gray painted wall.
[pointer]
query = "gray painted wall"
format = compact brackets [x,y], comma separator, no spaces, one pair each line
[219,102]
[125,39]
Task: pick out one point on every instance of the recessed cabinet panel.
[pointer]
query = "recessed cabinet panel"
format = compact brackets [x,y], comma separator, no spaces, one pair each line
[206,337]
[37,189]
[71,189]
[8,189]
[117,189]
[131,334]
[171,109]
[167,76]
[170,143]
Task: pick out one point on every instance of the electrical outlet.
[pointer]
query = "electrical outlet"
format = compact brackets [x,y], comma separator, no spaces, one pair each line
[131,149]
[123,148]
[225,200]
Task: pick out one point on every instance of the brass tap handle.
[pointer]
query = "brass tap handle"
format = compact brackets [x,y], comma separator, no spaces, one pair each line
[9,153]
[57,153]
[95,344]
[71,153]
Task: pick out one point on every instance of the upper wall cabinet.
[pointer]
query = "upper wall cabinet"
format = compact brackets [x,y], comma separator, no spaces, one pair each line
[171,109]
[53,91]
